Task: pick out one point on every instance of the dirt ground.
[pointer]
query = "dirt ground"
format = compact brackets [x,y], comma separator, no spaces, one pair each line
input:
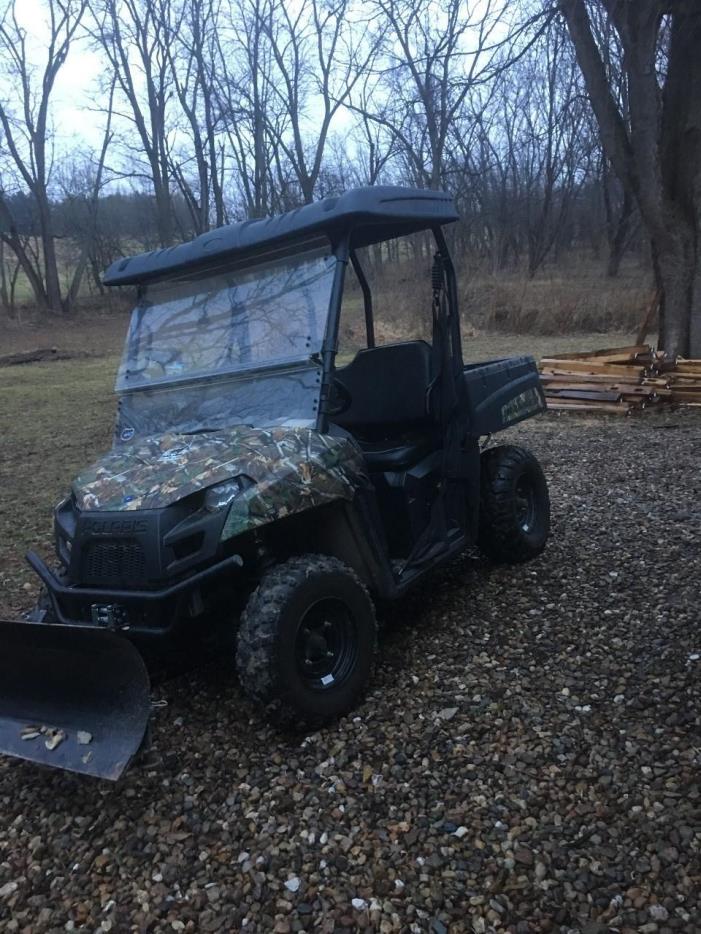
[97,333]
[528,758]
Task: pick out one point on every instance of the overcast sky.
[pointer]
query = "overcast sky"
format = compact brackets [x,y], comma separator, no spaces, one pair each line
[77,82]
[75,103]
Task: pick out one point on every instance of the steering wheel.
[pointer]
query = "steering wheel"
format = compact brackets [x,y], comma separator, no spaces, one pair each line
[340,398]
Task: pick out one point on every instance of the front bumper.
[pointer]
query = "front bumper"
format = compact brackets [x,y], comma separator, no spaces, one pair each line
[137,550]
[106,608]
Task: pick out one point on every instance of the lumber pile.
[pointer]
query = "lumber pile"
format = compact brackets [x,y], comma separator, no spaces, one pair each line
[684,380]
[619,380]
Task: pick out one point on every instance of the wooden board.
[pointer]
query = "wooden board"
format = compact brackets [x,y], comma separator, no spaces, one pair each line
[606,352]
[548,365]
[603,385]
[596,395]
[592,379]
[611,408]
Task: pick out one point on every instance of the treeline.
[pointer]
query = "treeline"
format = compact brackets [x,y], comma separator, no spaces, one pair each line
[219,110]
[89,235]
[212,111]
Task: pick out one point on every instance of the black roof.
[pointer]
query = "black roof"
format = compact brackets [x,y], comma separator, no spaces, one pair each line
[373,214]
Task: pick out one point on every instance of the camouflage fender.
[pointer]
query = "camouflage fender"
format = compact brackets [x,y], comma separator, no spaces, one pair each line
[306,472]
[292,469]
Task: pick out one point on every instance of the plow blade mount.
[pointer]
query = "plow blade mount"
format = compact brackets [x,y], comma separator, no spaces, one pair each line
[72,698]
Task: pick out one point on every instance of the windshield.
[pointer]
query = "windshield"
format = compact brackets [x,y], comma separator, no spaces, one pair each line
[232,347]
[247,318]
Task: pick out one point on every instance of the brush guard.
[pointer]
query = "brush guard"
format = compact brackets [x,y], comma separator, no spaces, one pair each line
[82,690]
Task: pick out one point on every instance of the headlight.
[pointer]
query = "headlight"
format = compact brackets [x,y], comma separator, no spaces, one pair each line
[222,495]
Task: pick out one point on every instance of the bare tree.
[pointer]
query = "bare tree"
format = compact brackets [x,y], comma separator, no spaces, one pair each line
[135,36]
[82,188]
[618,202]
[486,177]
[8,280]
[319,57]
[251,114]
[241,108]
[191,48]
[26,126]
[619,215]
[375,145]
[658,155]
[433,57]
[556,145]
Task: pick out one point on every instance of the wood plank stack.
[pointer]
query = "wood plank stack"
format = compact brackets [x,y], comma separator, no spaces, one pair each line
[684,380]
[619,380]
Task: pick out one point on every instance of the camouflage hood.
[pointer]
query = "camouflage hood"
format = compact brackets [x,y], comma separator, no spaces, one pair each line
[292,469]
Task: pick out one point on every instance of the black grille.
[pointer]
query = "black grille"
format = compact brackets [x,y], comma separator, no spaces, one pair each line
[115,562]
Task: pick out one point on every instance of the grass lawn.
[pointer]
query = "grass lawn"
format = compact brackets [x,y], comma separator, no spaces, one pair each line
[54,418]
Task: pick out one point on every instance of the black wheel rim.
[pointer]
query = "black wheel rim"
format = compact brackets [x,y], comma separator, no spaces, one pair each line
[326,646]
[525,504]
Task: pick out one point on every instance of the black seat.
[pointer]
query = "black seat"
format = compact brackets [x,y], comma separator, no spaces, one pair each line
[393,455]
[388,388]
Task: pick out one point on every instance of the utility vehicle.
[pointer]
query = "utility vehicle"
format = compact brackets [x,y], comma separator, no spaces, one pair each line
[258,481]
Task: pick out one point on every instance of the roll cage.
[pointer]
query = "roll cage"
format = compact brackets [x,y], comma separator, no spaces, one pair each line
[446,321]
[357,218]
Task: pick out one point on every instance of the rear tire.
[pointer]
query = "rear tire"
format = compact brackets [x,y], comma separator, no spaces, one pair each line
[514,505]
[307,641]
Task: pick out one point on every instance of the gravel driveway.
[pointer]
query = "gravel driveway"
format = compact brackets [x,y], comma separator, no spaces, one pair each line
[528,759]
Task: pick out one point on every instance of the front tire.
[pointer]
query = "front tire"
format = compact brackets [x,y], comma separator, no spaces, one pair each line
[514,505]
[307,641]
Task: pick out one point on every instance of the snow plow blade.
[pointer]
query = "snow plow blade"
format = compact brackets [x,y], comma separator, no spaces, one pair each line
[73,698]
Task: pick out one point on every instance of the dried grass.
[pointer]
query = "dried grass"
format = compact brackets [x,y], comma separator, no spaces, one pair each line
[555,305]
[573,298]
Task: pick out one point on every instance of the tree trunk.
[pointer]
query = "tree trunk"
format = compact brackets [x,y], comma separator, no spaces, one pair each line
[51,278]
[96,274]
[677,270]
[617,231]
[52,282]
[164,215]
[14,241]
[658,157]
[695,323]
[681,172]
[4,289]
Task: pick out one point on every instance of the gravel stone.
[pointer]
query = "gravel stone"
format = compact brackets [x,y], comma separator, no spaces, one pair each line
[539,806]
[447,713]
